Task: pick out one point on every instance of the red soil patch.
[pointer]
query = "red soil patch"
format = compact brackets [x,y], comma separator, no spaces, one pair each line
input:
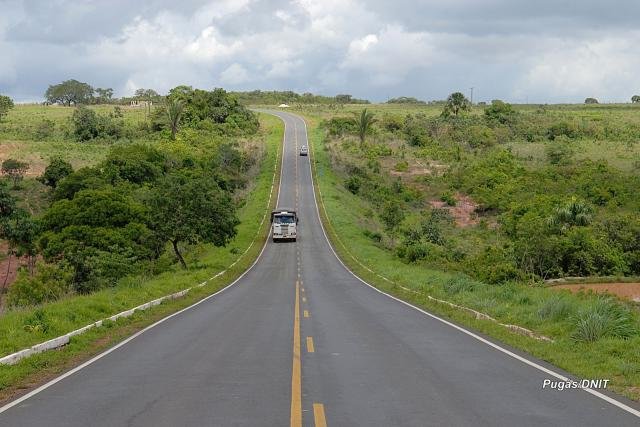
[463,212]
[624,290]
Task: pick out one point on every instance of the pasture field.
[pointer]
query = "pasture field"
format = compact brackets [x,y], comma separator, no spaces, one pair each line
[465,256]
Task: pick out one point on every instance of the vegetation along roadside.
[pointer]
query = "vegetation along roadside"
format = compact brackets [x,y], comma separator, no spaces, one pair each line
[390,197]
[92,264]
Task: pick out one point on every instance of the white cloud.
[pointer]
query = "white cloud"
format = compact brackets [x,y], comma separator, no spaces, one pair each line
[284,69]
[388,56]
[235,74]
[574,69]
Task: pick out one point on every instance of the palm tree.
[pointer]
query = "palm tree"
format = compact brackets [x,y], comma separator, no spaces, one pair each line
[575,212]
[364,120]
[174,112]
[456,104]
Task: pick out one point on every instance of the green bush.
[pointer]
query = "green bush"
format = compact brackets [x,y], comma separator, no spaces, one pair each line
[604,318]
[56,170]
[49,283]
[448,198]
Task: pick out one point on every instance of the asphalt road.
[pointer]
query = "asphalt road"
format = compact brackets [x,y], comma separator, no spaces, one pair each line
[300,341]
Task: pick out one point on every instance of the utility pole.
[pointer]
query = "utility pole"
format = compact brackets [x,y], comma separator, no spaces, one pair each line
[471,96]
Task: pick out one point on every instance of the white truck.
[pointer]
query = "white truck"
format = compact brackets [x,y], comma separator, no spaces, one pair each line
[284,223]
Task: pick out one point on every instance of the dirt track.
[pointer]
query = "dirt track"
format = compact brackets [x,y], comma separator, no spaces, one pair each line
[624,290]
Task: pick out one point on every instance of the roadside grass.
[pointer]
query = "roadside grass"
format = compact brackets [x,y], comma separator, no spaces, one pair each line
[22,328]
[555,314]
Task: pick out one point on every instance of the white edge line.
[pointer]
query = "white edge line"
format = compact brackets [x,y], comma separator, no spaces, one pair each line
[459,328]
[137,334]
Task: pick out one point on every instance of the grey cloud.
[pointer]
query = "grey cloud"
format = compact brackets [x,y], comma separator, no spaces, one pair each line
[504,48]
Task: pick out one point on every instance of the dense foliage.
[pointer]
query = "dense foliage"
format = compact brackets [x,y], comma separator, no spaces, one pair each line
[127,214]
[566,216]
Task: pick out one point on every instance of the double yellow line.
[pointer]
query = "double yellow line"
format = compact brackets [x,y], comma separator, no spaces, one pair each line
[296,373]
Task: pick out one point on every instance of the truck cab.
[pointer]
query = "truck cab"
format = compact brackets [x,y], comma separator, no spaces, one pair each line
[284,223]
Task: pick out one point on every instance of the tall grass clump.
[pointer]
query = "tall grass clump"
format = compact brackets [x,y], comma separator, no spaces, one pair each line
[558,307]
[605,318]
[460,283]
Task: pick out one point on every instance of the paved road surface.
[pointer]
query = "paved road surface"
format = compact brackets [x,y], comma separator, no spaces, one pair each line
[244,357]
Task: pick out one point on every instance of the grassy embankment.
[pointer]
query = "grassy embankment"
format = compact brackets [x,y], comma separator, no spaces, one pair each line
[347,217]
[25,327]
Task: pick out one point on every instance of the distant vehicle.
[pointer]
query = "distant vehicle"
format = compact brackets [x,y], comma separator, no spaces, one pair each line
[284,222]
[304,150]
[283,106]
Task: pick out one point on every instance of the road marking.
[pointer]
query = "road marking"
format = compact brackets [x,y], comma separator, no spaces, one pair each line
[318,415]
[310,347]
[524,360]
[304,299]
[306,313]
[296,373]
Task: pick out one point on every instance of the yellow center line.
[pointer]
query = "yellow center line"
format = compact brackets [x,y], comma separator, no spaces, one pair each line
[318,415]
[296,373]
[310,348]
[306,313]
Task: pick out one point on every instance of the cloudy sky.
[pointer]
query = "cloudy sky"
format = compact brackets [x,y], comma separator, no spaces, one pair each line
[517,50]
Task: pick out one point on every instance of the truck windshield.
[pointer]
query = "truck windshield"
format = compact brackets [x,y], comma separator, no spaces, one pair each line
[284,219]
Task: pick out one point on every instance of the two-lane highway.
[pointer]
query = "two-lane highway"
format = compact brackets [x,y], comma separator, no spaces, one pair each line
[298,341]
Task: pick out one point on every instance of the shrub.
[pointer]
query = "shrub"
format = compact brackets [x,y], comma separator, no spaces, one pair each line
[604,318]
[49,283]
[559,151]
[15,170]
[448,198]
[562,129]
[55,171]
[500,112]
[402,166]
[353,184]
[44,130]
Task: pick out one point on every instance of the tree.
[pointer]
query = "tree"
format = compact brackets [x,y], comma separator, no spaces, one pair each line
[85,124]
[6,104]
[101,233]
[392,215]
[573,213]
[57,169]
[104,95]
[21,232]
[635,99]
[364,120]
[7,209]
[590,101]
[69,92]
[190,210]
[456,104]
[174,113]
[499,112]
[15,170]
[343,99]
[559,151]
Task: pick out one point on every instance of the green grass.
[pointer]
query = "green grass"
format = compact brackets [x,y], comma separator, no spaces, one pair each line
[348,218]
[20,137]
[25,327]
